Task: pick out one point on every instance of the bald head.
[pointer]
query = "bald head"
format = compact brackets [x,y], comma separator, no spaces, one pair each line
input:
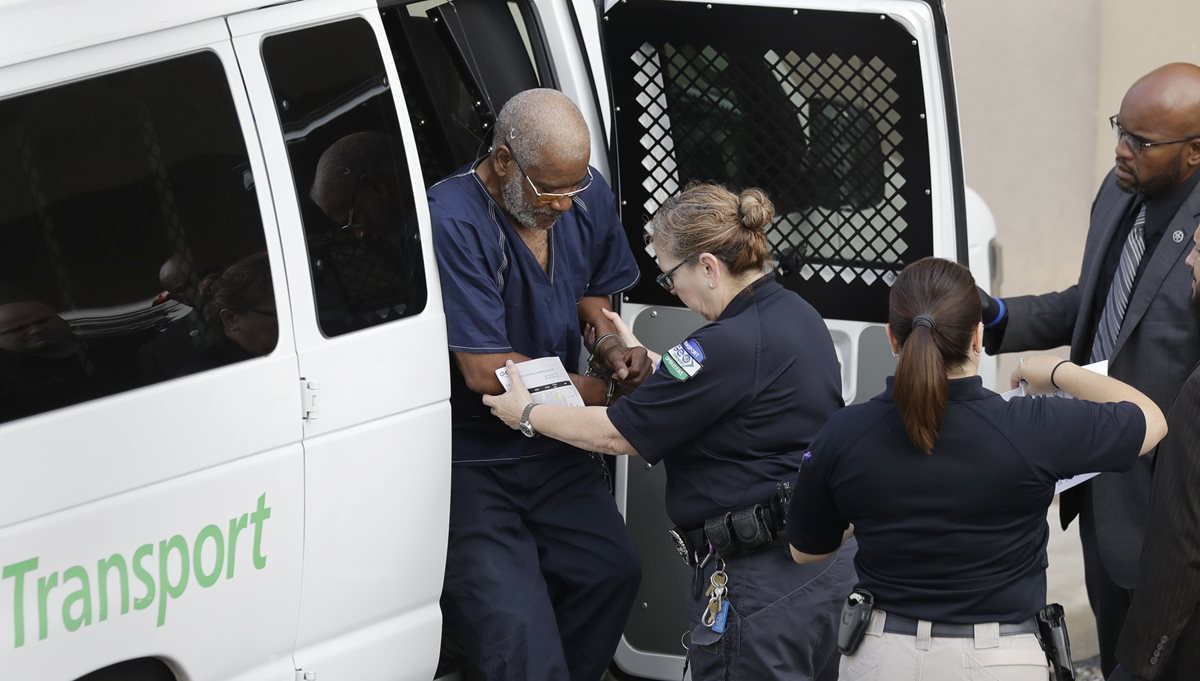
[542,125]
[343,167]
[1173,92]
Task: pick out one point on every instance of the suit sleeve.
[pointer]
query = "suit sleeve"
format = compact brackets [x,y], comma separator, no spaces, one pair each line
[1038,322]
[1168,588]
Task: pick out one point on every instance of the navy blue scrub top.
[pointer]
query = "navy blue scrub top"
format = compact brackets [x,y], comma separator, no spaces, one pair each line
[732,408]
[498,298]
[959,535]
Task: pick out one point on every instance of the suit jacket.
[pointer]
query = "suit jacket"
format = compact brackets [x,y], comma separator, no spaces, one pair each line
[1161,630]
[1158,344]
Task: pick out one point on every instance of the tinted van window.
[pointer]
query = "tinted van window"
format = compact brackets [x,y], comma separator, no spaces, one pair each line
[348,164]
[126,199]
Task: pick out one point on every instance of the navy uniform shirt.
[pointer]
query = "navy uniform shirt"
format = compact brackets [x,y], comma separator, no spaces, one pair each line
[732,408]
[499,299]
[958,535]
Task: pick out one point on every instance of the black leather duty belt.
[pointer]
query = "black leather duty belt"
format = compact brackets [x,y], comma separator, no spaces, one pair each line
[905,626]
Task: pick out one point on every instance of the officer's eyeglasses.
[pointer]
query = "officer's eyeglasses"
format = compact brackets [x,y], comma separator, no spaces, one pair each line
[1138,143]
[550,197]
[664,280]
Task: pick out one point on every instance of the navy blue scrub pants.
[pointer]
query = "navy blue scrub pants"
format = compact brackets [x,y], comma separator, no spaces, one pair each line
[540,573]
[783,618]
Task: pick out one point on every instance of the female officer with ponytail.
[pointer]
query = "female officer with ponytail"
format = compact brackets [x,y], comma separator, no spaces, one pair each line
[947,487]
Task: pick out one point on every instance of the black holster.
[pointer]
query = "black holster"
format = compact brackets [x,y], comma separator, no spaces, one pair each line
[736,533]
[1052,633]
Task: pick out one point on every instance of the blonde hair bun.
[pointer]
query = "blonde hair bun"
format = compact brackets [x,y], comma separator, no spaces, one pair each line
[755,210]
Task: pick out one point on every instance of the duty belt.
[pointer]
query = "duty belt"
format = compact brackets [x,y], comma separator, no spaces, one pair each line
[734,533]
[906,626]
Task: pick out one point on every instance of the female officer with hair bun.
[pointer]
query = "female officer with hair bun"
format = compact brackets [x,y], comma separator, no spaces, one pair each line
[947,487]
[730,411]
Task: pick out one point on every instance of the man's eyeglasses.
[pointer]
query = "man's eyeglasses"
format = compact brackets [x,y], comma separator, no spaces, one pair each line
[1138,143]
[549,197]
[664,280]
[353,199]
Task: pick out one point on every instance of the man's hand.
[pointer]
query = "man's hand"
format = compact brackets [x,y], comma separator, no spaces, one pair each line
[508,406]
[630,366]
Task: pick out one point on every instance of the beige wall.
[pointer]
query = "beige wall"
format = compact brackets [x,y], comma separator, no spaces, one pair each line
[1037,80]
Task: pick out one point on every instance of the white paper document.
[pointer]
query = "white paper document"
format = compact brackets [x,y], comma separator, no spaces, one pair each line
[547,381]
[1101,368]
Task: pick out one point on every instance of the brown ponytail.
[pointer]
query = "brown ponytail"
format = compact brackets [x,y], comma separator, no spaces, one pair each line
[933,312]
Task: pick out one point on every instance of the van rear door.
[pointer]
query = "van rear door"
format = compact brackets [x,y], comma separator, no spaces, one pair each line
[845,115]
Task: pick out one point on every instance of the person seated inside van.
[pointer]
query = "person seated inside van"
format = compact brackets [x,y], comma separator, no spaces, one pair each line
[161,356]
[43,364]
[241,303]
[367,268]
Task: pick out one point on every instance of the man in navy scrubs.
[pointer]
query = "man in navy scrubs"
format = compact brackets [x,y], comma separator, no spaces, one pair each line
[541,572]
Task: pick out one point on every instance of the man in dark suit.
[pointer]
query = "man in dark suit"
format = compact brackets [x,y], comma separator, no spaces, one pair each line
[1161,639]
[1129,307]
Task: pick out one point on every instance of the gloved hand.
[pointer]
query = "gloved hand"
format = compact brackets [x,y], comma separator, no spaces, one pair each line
[993,308]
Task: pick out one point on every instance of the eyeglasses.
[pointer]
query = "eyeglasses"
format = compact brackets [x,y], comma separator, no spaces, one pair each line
[1138,143]
[664,280]
[353,199]
[549,197]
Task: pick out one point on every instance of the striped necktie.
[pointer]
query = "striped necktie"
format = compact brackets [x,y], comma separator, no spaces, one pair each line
[1118,292]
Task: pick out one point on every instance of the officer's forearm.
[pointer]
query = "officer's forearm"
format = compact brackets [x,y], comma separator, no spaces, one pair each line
[588,428]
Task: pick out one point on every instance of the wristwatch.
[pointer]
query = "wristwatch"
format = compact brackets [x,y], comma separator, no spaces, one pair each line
[524,424]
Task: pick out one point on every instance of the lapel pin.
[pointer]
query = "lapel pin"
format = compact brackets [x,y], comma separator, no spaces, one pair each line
[1177,237]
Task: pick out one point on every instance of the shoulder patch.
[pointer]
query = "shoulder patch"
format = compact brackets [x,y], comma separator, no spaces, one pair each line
[681,361]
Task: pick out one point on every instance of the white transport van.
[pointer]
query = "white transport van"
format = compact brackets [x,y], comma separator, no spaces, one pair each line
[263,494]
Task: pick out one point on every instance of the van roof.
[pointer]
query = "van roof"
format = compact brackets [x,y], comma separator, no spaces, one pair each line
[30,29]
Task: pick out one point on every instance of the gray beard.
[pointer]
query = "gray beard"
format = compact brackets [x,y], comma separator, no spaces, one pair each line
[521,210]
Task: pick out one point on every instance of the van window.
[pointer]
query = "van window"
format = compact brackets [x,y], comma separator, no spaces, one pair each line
[348,164]
[131,244]
[459,62]
[823,110]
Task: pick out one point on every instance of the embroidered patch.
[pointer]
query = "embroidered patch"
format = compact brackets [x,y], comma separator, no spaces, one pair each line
[680,362]
[693,349]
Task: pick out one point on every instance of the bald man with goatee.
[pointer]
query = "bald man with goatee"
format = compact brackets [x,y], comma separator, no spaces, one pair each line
[541,572]
[1129,307]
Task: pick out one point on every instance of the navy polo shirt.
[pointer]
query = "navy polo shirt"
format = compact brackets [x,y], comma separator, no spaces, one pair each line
[958,535]
[732,408]
[498,298]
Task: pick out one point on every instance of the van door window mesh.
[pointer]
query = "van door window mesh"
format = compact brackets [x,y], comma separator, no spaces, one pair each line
[131,244]
[823,110]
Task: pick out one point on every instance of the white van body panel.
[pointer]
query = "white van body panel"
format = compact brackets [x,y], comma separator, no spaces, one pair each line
[35,28]
[107,476]
[259,639]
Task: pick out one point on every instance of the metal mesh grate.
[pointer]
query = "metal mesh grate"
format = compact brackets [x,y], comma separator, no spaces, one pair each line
[835,174]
